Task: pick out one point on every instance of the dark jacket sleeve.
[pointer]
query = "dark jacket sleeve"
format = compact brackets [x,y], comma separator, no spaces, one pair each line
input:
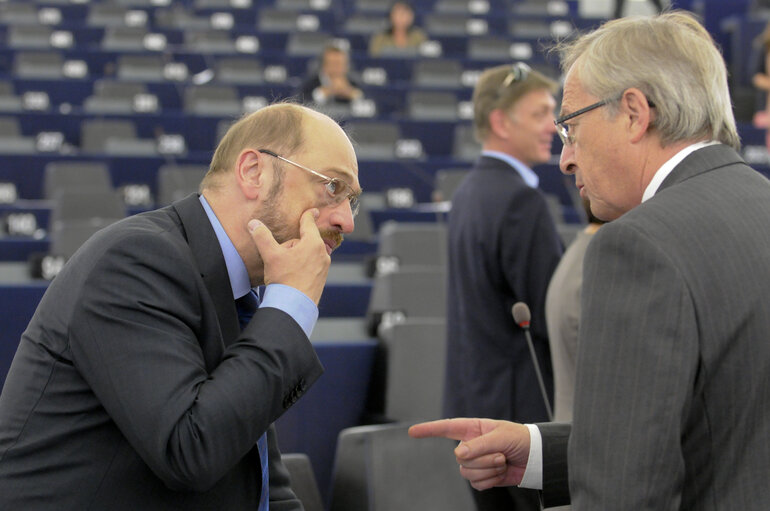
[555,473]
[137,338]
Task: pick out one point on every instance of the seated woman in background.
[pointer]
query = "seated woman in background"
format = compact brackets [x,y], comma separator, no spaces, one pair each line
[401,36]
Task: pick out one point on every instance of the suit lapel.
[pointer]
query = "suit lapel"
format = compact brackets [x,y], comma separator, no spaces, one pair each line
[211,263]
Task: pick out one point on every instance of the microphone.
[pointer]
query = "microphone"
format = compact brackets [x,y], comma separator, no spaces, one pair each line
[521,316]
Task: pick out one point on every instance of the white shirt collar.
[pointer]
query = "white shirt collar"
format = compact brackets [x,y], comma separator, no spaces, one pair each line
[669,166]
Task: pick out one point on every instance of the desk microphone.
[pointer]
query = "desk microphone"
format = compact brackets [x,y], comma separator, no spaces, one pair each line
[521,316]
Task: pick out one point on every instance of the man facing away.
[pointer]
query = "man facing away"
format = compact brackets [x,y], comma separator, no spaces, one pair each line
[503,248]
[134,386]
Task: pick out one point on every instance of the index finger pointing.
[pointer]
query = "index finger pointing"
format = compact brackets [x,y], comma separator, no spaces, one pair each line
[456,429]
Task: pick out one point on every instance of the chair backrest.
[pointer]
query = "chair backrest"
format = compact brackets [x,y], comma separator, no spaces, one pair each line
[68,236]
[413,243]
[303,480]
[178,181]
[86,205]
[239,70]
[489,48]
[9,127]
[29,36]
[529,29]
[142,68]
[75,175]
[122,38]
[380,468]
[409,292]
[446,182]
[415,362]
[106,14]
[432,105]
[306,44]
[464,146]
[44,65]
[111,96]
[19,13]
[215,100]
[365,24]
[113,136]
[375,140]
[209,41]
[441,24]
[437,73]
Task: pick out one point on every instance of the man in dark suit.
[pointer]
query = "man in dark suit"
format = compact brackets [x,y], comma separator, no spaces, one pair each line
[134,387]
[503,248]
[672,404]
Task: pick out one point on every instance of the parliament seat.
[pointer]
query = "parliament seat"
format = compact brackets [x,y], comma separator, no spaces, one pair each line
[380,468]
[217,100]
[75,176]
[176,181]
[303,480]
[114,137]
[415,362]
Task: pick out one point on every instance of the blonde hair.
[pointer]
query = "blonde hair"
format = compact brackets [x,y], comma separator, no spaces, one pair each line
[277,127]
[489,94]
[673,60]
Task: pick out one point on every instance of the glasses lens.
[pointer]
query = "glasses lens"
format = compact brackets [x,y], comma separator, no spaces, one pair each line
[338,191]
[563,134]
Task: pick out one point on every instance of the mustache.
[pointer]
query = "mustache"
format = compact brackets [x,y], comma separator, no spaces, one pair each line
[332,236]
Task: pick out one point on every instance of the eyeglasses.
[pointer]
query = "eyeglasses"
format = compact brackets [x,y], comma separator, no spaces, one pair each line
[337,190]
[563,130]
[518,73]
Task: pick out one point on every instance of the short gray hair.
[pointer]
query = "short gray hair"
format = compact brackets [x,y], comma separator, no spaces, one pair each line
[673,60]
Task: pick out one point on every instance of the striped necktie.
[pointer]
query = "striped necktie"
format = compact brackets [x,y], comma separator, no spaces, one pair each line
[247,306]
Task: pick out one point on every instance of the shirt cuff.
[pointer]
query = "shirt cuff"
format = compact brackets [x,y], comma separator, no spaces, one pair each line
[533,474]
[293,302]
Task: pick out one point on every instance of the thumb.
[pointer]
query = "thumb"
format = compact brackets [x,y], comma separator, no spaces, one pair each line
[262,237]
[478,446]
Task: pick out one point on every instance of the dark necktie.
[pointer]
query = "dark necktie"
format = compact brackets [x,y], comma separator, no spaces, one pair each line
[247,306]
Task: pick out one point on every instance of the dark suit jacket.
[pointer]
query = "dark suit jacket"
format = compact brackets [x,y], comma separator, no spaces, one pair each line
[672,405]
[133,387]
[503,248]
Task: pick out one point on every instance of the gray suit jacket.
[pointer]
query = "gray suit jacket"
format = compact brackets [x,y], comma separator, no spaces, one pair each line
[133,387]
[672,405]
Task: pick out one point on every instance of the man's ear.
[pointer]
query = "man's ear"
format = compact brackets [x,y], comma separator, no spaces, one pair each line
[635,106]
[250,173]
[497,122]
